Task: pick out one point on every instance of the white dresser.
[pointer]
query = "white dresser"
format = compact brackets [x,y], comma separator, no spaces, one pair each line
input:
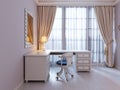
[83,61]
[36,66]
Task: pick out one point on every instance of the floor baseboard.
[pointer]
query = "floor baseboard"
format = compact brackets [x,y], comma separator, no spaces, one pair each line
[18,86]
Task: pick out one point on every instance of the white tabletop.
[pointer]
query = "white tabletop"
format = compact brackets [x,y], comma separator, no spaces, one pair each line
[37,53]
[48,52]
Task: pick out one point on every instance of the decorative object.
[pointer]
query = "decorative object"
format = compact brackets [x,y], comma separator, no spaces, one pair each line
[28,32]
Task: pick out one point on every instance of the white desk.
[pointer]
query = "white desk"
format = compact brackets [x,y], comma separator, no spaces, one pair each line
[36,63]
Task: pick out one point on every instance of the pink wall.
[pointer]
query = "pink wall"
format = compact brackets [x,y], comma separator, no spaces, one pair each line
[12,41]
[117,32]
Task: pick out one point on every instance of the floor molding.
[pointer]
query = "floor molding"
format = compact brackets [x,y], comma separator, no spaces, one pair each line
[18,86]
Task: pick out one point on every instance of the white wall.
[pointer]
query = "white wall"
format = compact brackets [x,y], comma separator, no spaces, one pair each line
[117,32]
[12,41]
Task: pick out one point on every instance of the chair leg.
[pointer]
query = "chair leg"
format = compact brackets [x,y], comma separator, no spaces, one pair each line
[66,73]
[70,74]
[59,73]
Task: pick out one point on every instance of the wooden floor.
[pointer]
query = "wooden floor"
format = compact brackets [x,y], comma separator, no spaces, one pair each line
[99,78]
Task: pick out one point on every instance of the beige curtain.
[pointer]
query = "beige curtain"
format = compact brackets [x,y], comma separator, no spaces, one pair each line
[45,19]
[104,16]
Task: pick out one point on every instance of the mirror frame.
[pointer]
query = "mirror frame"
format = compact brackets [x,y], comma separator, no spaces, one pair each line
[26,43]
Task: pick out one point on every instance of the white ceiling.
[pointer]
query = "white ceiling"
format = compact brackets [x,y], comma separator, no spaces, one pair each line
[76,2]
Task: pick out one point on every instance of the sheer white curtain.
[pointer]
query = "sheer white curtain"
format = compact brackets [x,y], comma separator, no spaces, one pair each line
[95,42]
[75,28]
[55,39]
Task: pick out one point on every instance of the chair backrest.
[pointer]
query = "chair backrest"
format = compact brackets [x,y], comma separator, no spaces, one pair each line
[68,57]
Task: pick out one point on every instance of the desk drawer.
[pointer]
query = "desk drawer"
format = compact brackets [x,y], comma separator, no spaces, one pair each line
[83,68]
[83,61]
[83,55]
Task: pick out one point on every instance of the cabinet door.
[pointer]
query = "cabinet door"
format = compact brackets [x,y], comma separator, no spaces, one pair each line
[36,67]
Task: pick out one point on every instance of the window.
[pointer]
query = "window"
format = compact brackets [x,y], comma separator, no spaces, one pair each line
[75,28]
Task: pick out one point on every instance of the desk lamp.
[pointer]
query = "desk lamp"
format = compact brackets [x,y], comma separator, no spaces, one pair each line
[43,41]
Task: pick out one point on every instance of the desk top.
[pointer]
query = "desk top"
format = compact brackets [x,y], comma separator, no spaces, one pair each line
[37,53]
[52,52]
[65,51]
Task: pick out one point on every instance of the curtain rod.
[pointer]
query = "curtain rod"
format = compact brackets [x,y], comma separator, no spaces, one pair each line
[75,4]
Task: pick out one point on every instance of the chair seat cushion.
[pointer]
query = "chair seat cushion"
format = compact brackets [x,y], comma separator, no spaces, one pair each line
[61,62]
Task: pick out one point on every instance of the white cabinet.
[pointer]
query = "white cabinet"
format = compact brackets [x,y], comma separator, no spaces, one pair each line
[36,66]
[83,61]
